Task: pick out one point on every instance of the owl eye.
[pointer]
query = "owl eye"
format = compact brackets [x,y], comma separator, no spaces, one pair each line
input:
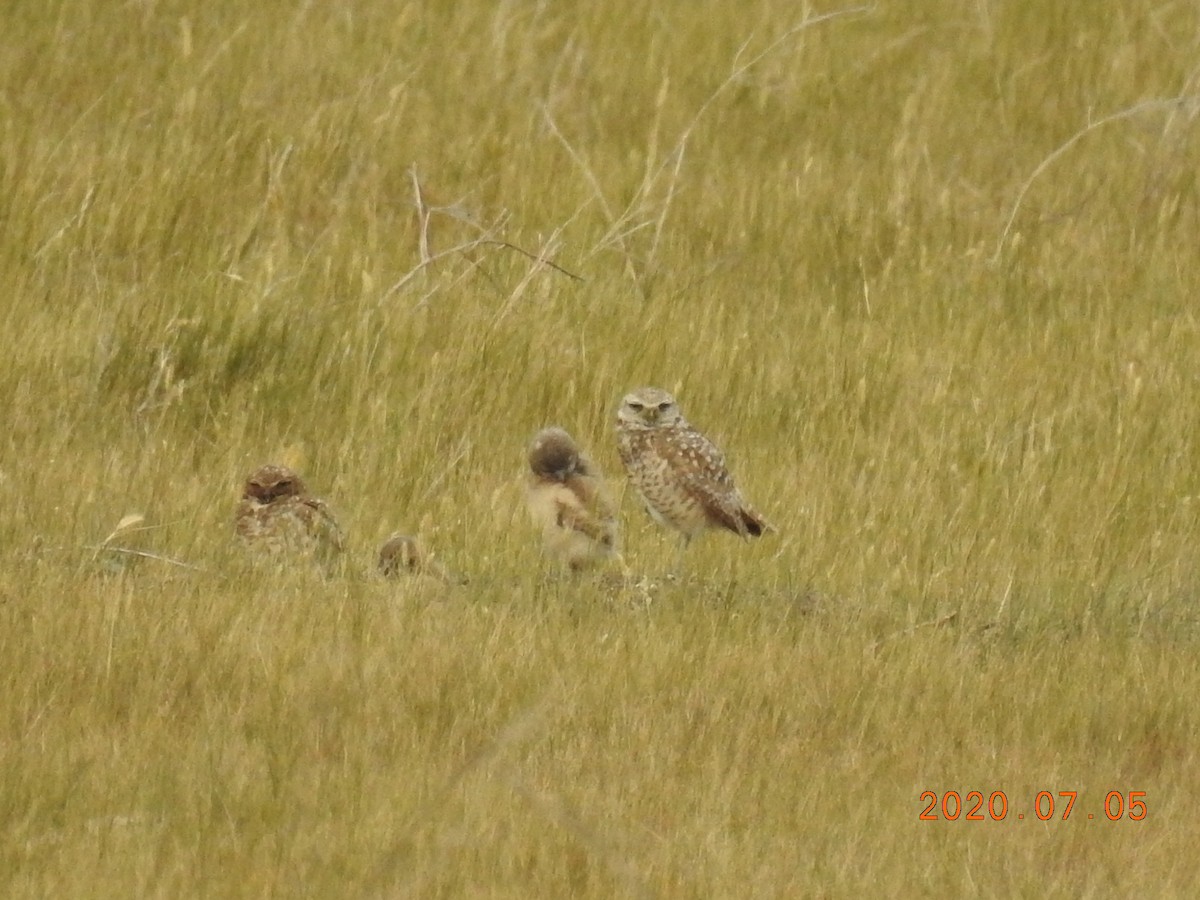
[664,406]
[635,406]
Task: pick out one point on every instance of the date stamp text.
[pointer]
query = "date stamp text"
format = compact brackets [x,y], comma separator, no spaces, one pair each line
[975,806]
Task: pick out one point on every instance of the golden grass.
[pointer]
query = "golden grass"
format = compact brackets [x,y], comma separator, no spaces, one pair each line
[925,271]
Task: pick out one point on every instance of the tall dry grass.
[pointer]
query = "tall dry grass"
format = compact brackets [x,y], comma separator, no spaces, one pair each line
[926,271]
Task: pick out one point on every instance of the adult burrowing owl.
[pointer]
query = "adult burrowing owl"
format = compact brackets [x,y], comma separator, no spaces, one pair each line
[567,499]
[679,473]
[277,515]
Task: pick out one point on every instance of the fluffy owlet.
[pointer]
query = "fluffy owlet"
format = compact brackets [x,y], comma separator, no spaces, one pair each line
[277,515]
[402,554]
[568,501]
[679,473]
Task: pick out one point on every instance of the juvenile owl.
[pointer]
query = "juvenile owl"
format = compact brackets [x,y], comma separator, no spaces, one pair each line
[568,501]
[277,516]
[679,473]
[402,555]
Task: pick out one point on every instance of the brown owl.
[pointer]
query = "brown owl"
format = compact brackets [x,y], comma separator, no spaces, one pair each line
[277,516]
[402,554]
[679,473]
[568,501]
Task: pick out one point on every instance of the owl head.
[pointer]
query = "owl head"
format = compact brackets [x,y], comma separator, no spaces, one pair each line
[554,454]
[400,554]
[270,483]
[649,407]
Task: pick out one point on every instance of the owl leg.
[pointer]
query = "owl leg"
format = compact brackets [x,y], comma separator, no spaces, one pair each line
[676,573]
[626,572]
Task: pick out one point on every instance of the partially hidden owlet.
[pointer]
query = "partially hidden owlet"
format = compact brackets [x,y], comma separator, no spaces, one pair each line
[568,501]
[403,554]
[277,516]
[679,473]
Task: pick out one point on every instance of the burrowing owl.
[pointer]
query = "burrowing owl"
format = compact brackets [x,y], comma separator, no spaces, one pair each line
[402,554]
[567,499]
[679,473]
[277,515]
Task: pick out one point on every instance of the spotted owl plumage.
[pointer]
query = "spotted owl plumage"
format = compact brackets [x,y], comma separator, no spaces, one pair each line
[679,473]
[278,517]
[568,501]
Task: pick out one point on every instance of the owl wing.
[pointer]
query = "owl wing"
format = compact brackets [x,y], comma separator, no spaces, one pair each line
[584,506]
[321,526]
[699,466]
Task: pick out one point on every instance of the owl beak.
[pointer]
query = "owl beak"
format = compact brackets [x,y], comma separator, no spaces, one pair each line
[652,413]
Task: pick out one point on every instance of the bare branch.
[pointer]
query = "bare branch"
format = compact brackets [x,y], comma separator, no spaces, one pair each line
[939,622]
[672,164]
[145,554]
[1129,113]
[536,257]
[422,217]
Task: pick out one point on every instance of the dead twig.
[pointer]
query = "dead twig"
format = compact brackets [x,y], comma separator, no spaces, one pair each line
[1128,113]
[465,247]
[515,731]
[675,157]
[939,622]
[558,810]
[672,165]
[422,217]
[146,554]
[538,258]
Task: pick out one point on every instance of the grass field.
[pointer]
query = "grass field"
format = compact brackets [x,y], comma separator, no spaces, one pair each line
[926,271]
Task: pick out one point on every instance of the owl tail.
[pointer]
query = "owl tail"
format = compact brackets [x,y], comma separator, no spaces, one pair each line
[753,523]
[741,519]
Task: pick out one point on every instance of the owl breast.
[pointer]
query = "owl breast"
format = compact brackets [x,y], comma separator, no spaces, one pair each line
[658,462]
